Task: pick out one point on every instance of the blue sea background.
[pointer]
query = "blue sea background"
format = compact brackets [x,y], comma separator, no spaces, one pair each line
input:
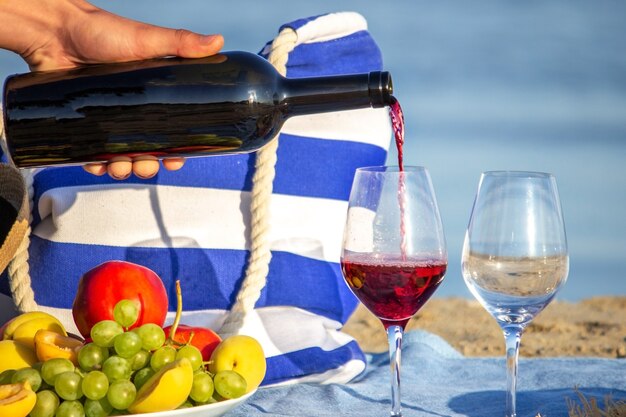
[485,85]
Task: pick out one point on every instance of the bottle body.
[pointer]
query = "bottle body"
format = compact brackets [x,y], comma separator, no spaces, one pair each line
[233,102]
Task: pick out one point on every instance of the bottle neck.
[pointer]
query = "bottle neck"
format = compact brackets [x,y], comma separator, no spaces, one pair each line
[336,93]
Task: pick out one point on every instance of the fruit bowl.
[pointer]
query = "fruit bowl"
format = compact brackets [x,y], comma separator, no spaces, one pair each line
[210,410]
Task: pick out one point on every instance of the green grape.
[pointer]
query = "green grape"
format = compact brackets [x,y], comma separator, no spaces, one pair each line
[186,404]
[68,386]
[95,385]
[70,409]
[28,374]
[193,354]
[229,384]
[142,376]
[202,388]
[92,356]
[217,397]
[139,360]
[98,408]
[162,357]
[116,368]
[6,376]
[53,367]
[103,332]
[126,313]
[46,404]
[152,336]
[121,394]
[127,344]
[211,400]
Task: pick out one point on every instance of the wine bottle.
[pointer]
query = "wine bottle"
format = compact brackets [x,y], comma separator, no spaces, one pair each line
[233,102]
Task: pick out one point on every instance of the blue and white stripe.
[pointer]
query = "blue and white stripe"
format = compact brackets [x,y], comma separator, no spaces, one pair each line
[192,225]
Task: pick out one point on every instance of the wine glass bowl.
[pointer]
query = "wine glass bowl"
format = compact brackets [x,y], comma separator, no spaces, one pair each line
[394,254]
[392,289]
[515,255]
[508,287]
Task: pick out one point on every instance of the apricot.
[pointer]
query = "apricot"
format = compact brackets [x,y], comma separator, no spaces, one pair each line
[49,345]
[17,400]
[14,355]
[166,390]
[23,327]
[9,327]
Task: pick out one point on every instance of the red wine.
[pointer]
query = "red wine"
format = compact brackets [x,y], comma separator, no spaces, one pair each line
[233,102]
[397,124]
[393,290]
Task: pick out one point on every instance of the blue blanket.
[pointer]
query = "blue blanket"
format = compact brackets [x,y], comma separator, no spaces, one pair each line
[439,381]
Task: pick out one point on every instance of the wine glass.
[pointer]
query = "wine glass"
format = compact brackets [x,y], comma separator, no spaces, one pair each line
[394,253]
[515,254]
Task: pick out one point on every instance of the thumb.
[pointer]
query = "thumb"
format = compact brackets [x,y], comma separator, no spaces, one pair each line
[157,41]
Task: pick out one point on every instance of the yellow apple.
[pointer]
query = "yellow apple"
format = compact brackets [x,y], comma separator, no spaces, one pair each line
[242,354]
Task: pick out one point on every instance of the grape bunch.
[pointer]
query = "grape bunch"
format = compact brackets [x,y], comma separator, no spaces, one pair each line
[109,372]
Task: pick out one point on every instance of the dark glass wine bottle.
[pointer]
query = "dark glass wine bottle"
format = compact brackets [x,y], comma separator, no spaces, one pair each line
[233,102]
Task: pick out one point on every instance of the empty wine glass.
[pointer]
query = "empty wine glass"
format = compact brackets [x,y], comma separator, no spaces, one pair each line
[515,255]
[394,254]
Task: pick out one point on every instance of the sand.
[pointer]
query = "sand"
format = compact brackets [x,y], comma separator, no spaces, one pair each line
[593,327]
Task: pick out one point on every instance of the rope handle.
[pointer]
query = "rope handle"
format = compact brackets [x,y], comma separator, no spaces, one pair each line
[262,187]
[18,269]
[260,254]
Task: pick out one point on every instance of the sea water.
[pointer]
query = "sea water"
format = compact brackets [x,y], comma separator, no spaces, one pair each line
[484,85]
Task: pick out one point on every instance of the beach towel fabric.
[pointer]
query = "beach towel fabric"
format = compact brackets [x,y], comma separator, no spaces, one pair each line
[192,225]
[439,381]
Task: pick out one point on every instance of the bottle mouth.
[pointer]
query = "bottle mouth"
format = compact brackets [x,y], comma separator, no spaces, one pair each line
[380,88]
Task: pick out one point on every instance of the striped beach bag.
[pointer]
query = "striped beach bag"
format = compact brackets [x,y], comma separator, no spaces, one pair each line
[254,239]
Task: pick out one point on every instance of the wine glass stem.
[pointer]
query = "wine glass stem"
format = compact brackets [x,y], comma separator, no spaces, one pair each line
[394,337]
[512,336]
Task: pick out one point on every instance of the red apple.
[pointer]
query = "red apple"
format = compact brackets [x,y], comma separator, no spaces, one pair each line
[206,340]
[102,287]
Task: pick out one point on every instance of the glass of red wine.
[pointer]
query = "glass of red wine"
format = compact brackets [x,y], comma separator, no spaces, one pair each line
[394,252]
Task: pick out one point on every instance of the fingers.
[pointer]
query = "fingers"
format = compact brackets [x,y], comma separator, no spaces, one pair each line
[120,168]
[96,169]
[66,34]
[158,41]
[173,164]
[144,167]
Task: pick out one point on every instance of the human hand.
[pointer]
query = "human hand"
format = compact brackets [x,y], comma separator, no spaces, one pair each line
[144,167]
[56,34]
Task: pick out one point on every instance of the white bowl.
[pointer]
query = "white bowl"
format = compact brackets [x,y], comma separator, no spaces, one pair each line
[209,410]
